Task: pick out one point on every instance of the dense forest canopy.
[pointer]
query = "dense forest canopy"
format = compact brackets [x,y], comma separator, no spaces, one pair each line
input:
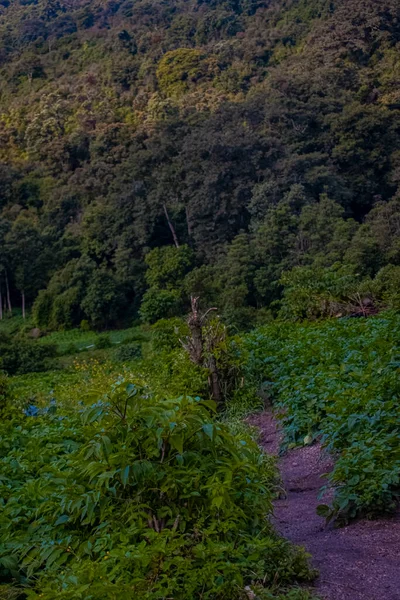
[151,149]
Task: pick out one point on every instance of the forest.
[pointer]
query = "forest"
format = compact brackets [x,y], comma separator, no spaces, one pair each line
[240,144]
[199,295]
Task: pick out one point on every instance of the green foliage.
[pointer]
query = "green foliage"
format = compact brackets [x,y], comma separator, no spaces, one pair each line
[84,325]
[252,134]
[20,355]
[139,495]
[311,293]
[79,290]
[180,69]
[386,286]
[167,266]
[103,341]
[158,304]
[167,332]
[338,380]
[103,300]
[166,270]
[4,391]
[128,352]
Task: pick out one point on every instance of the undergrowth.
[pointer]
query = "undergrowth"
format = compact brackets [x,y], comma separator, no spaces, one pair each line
[137,496]
[118,481]
[338,381]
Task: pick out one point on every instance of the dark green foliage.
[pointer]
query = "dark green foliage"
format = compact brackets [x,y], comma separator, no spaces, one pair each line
[166,270]
[20,355]
[103,341]
[338,380]
[166,333]
[128,352]
[254,134]
[4,391]
[311,293]
[386,286]
[158,304]
[79,290]
[139,496]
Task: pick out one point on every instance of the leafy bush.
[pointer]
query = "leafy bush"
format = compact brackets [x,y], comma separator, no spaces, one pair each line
[167,332]
[20,355]
[311,293]
[158,304]
[167,268]
[84,325]
[128,352]
[103,341]
[4,391]
[139,497]
[339,380]
[387,286]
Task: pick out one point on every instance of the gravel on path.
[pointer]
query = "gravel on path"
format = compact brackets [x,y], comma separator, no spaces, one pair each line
[360,561]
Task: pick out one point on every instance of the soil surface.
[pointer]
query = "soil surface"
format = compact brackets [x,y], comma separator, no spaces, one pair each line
[358,562]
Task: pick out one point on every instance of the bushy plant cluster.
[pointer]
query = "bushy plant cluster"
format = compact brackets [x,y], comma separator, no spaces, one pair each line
[20,355]
[338,380]
[134,496]
[128,352]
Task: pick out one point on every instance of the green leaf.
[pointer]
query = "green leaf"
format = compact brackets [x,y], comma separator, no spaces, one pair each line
[209,430]
[62,519]
[125,475]
[176,441]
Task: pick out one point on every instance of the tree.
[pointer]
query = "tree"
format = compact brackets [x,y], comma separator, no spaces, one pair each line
[27,256]
[167,268]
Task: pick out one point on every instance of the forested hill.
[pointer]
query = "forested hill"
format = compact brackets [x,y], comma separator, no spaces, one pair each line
[257,136]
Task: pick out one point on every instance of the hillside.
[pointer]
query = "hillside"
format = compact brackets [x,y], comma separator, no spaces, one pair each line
[256,136]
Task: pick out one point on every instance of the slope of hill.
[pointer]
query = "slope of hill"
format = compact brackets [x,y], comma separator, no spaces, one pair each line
[255,135]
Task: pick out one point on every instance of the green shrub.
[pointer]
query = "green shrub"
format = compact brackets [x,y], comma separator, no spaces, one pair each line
[84,325]
[4,391]
[312,293]
[339,380]
[166,333]
[386,286]
[20,355]
[127,352]
[103,341]
[70,349]
[158,304]
[42,309]
[139,498]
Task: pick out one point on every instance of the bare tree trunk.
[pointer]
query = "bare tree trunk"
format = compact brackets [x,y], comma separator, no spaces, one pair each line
[175,237]
[195,326]
[23,304]
[201,351]
[188,223]
[215,386]
[1,305]
[8,295]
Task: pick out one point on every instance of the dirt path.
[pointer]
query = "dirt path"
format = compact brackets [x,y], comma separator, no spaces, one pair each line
[357,562]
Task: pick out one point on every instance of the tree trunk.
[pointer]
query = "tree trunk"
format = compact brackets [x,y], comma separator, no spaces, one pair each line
[23,304]
[174,236]
[1,306]
[8,295]
[215,386]
[188,223]
[195,326]
[199,355]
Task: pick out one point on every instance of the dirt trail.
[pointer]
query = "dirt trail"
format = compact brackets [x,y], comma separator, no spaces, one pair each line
[357,562]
